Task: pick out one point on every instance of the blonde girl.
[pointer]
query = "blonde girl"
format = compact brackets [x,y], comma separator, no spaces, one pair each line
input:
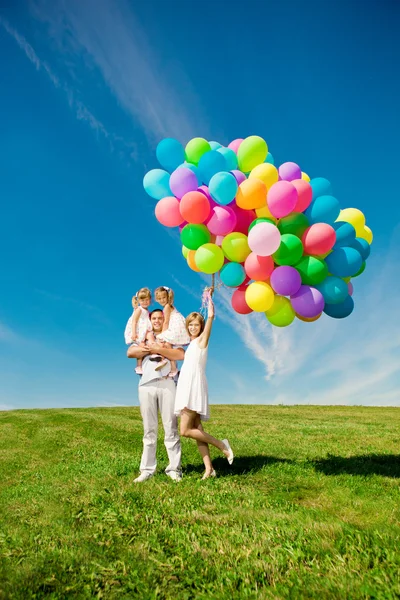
[174,331]
[191,400]
[138,329]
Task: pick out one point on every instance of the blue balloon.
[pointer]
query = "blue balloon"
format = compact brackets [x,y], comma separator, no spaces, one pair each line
[215,145]
[362,247]
[344,262]
[170,154]
[210,163]
[333,289]
[232,274]
[223,187]
[270,159]
[324,209]
[345,233]
[320,187]
[230,157]
[341,310]
[156,184]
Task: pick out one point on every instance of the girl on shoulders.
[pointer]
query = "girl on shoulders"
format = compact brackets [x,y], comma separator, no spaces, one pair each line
[191,400]
[138,329]
[174,331]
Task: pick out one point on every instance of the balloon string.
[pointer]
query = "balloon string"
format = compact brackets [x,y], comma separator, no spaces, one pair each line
[207,292]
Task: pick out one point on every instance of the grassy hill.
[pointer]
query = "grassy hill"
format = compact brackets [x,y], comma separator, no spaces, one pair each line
[309,509]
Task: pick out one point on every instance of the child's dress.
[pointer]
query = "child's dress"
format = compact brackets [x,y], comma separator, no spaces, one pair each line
[192,389]
[176,334]
[143,327]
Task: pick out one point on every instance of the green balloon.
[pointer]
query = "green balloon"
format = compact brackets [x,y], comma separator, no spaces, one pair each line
[193,236]
[252,152]
[261,220]
[296,223]
[209,258]
[281,314]
[195,149]
[361,269]
[185,251]
[290,250]
[313,270]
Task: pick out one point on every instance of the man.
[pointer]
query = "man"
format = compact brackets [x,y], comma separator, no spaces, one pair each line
[157,392]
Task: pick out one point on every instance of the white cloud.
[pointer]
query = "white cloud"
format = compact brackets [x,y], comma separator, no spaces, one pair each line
[109,38]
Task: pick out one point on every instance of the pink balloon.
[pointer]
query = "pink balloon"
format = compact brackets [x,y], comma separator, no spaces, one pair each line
[239,176]
[318,239]
[289,171]
[235,144]
[219,239]
[351,289]
[168,213]
[222,220]
[264,239]
[282,198]
[257,267]
[244,219]
[304,192]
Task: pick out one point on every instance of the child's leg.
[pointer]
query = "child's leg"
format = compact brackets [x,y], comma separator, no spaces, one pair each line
[163,362]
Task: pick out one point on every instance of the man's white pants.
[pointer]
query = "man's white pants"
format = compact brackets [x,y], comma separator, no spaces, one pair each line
[153,396]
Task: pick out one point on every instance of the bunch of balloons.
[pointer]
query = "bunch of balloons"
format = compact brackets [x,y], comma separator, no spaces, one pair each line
[276,236]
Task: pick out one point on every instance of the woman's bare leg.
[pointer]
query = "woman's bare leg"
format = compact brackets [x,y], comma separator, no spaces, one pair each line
[203,448]
[189,429]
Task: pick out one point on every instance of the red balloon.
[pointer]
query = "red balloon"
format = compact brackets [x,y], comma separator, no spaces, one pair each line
[318,239]
[304,191]
[244,219]
[194,207]
[168,213]
[258,268]
[239,303]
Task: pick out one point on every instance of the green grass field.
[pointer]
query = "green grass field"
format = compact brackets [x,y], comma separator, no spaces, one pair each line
[309,509]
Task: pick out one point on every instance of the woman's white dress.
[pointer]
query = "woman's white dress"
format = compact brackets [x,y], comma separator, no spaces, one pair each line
[176,334]
[192,389]
[143,326]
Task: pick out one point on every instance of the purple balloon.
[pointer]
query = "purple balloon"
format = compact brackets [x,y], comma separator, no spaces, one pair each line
[182,181]
[239,176]
[289,171]
[308,302]
[286,281]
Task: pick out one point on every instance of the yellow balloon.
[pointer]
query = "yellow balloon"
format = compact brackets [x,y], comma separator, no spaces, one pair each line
[267,173]
[308,319]
[265,212]
[353,216]
[185,251]
[191,262]
[366,234]
[259,296]
[305,176]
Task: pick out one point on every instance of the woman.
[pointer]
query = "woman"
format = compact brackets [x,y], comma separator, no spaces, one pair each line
[191,401]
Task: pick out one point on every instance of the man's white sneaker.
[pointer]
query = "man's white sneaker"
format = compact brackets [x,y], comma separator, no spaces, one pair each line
[175,476]
[142,477]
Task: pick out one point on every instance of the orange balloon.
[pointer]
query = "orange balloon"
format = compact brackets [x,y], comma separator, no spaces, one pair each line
[191,262]
[308,319]
[194,207]
[252,193]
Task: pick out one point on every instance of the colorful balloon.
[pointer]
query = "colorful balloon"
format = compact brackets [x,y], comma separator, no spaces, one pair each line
[304,195]
[264,239]
[362,247]
[320,187]
[251,194]
[282,198]
[345,233]
[168,213]
[235,145]
[232,274]
[259,296]
[270,159]
[333,289]
[239,176]
[308,302]
[156,184]
[215,145]
[251,152]
[344,262]
[257,267]
[191,261]
[290,250]
[305,177]
[355,217]
[281,313]
[193,236]
[195,149]
[210,163]
[185,251]
[239,303]
[222,220]
[318,239]
[223,187]
[312,270]
[267,173]
[182,181]
[194,207]
[170,154]
[262,220]
[235,246]
[324,209]
[265,212]
[209,258]
[360,270]
[341,310]
[285,281]
[230,158]
[296,224]
[244,218]
[289,171]
[366,234]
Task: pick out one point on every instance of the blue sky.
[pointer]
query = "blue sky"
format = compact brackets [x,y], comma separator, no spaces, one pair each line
[89,88]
